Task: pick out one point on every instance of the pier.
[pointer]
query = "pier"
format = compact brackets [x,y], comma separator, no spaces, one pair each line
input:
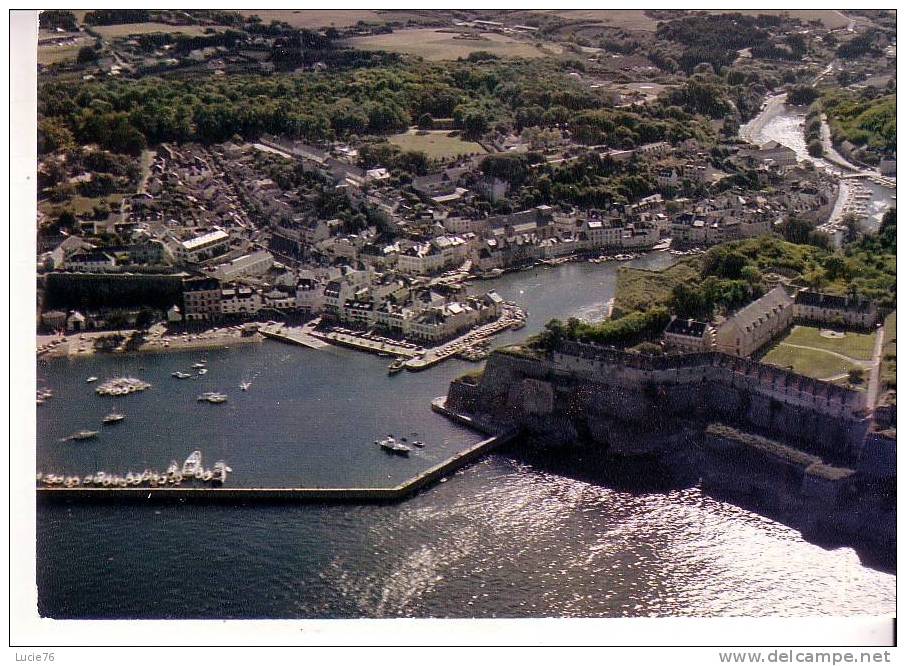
[295,336]
[281,495]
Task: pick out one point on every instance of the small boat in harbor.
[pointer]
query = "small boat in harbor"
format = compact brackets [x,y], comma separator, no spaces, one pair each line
[91,380]
[212,397]
[83,434]
[199,366]
[420,444]
[396,366]
[202,371]
[390,445]
[113,417]
[245,385]
[192,464]
[220,471]
[181,375]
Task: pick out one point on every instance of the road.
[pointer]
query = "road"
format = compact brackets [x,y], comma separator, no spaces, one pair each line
[874,375]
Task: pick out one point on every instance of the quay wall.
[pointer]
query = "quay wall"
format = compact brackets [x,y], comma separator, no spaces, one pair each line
[583,386]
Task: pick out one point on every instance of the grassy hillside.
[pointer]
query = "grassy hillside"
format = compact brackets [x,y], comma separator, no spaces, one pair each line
[871,123]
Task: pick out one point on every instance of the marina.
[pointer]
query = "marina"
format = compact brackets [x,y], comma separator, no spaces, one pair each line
[151,485]
[313,509]
[191,471]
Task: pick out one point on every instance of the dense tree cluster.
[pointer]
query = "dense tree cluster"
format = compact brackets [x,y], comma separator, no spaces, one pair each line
[716,38]
[862,44]
[51,19]
[631,329]
[117,16]
[701,96]
[125,115]
[802,95]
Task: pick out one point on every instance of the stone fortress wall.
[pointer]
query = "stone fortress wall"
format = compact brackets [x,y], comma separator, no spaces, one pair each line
[602,386]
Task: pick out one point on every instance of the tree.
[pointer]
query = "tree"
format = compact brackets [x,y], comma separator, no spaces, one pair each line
[856,375]
[553,334]
[86,54]
[834,266]
[688,301]
[144,319]
[750,274]
[802,95]
[796,230]
[425,121]
[815,148]
[475,123]
[54,135]
[851,225]
[67,220]
[50,19]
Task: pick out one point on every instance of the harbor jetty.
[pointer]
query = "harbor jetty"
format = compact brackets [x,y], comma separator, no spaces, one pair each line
[286,494]
[293,335]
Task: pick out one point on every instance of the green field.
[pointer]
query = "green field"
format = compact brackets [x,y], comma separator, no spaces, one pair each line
[126,29]
[341,18]
[810,362]
[626,19]
[440,45]
[79,205]
[48,55]
[859,346]
[436,145]
[640,289]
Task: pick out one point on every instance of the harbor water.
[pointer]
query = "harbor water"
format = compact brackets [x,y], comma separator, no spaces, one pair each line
[500,538]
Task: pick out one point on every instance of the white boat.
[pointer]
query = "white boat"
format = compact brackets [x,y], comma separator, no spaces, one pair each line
[390,444]
[83,434]
[181,375]
[663,245]
[245,385]
[220,472]
[212,397]
[202,371]
[91,379]
[113,417]
[198,366]
[192,464]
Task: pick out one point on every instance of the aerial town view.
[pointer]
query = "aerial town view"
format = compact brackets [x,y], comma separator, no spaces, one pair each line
[465,314]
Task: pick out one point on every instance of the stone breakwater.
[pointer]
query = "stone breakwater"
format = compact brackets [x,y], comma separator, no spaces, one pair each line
[799,448]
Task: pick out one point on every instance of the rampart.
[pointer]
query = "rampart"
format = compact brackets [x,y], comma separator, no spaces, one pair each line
[589,385]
